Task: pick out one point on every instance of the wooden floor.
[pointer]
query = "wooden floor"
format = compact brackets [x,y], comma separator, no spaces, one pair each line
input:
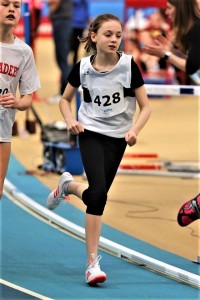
[142,206]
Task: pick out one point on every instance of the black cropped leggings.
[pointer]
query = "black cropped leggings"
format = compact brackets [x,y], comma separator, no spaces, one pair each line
[101,156]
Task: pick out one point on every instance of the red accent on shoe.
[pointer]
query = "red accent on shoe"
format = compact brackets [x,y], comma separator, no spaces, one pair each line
[88,274]
[56,192]
[97,279]
[67,198]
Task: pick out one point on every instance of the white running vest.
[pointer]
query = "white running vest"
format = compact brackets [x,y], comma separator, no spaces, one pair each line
[106,110]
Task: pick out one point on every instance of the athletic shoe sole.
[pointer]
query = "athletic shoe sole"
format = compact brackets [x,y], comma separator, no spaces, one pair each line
[97,279]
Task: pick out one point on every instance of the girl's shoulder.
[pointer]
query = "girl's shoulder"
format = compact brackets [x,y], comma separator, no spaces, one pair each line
[88,58]
[22,45]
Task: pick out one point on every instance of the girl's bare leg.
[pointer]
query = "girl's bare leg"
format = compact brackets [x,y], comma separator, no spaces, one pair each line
[5,149]
[92,232]
[92,222]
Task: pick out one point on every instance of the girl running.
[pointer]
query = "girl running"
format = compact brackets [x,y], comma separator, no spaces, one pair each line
[112,84]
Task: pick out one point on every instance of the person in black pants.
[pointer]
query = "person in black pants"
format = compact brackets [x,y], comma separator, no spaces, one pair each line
[60,12]
[112,84]
[80,18]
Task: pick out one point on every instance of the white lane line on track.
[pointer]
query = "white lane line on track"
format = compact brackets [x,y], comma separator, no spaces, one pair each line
[109,246]
[23,290]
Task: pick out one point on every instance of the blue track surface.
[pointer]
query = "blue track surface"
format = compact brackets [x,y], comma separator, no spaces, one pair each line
[46,261]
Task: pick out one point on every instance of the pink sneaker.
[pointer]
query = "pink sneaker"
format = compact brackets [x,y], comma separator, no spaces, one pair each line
[189,212]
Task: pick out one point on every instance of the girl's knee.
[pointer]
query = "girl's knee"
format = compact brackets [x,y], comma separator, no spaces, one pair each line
[96,202]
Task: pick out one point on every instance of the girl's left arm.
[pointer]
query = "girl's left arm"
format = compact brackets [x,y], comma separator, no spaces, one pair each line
[143,116]
[24,102]
[10,101]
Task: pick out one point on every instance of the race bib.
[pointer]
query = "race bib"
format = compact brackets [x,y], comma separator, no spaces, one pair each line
[107,102]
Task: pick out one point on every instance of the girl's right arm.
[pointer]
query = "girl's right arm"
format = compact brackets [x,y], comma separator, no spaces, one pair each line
[73,126]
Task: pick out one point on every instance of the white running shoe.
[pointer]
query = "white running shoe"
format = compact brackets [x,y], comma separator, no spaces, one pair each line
[57,195]
[93,273]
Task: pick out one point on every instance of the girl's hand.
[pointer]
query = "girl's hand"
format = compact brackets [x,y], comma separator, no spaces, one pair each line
[131,138]
[8,101]
[74,127]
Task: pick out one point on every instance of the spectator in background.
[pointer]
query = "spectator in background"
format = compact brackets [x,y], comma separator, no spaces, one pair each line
[60,13]
[80,18]
[37,12]
[35,9]
[185,18]
[141,29]
[190,211]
